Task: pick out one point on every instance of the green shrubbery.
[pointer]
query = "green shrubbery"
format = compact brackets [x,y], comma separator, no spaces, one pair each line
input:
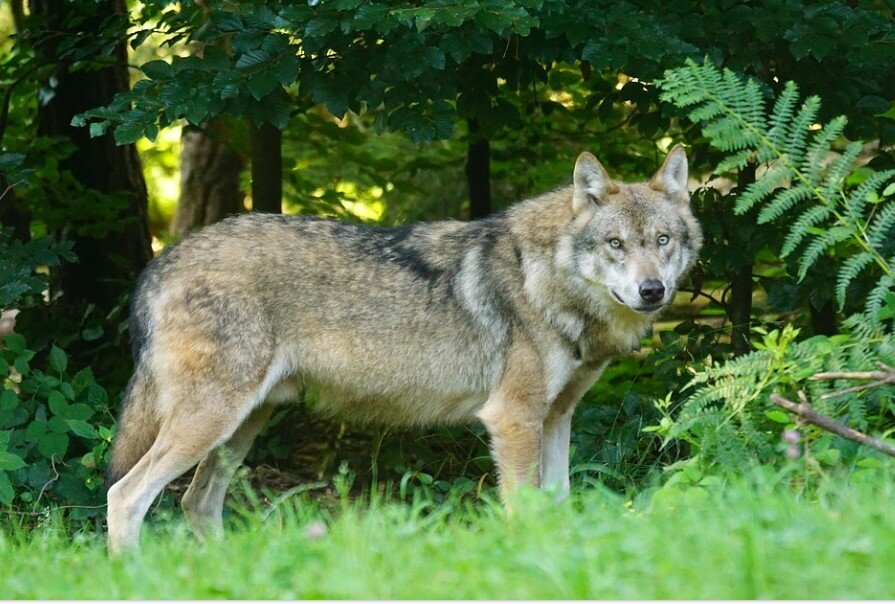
[54,432]
[826,207]
[808,203]
[55,424]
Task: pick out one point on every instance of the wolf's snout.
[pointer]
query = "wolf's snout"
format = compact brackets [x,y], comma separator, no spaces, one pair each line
[652,291]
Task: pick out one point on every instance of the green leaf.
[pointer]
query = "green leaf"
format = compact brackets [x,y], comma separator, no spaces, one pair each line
[15,342]
[10,161]
[58,359]
[52,443]
[252,58]
[434,57]
[262,83]
[777,416]
[320,26]
[68,390]
[10,461]
[57,425]
[80,411]
[828,457]
[21,366]
[35,430]
[6,490]
[9,400]
[57,402]
[286,69]
[92,333]
[368,15]
[99,128]
[128,133]
[156,70]
[226,21]
[82,428]
[88,461]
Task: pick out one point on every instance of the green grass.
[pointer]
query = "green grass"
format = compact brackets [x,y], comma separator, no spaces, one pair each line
[727,542]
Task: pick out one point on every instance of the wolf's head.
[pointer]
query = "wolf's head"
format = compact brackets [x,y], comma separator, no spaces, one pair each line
[630,244]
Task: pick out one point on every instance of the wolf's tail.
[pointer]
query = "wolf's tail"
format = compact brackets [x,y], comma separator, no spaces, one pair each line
[138,425]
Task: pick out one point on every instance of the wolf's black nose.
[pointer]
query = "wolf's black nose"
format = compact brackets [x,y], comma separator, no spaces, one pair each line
[652,291]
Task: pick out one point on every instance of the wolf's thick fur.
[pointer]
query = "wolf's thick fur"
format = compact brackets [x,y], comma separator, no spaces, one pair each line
[508,319]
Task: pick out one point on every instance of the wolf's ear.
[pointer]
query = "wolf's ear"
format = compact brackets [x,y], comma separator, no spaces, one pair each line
[672,176]
[591,182]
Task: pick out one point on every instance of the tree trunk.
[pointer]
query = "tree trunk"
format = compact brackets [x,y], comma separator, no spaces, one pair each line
[209,178]
[267,169]
[13,213]
[823,319]
[112,253]
[739,307]
[478,172]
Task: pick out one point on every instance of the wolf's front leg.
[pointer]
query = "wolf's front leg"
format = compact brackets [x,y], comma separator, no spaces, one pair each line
[515,426]
[558,431]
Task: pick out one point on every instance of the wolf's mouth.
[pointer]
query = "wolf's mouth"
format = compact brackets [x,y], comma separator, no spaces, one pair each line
[644,308]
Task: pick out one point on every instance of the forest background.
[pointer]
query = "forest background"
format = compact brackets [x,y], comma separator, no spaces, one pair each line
[125,125]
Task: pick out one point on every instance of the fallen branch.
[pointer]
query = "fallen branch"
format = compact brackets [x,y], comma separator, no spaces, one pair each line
[805,411]
[881,378]
[886,374]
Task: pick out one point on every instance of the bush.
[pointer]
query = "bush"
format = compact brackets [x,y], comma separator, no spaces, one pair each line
[810,185]
[55,426]
[54,432]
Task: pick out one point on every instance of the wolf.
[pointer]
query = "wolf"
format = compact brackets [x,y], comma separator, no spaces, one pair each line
[507,320]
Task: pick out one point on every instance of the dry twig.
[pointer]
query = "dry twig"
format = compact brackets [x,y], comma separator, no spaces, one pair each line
[880,378]
[807,413]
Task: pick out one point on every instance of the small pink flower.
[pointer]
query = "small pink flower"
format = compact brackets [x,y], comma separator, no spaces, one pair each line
[791,436]
[315,530]
[792,452]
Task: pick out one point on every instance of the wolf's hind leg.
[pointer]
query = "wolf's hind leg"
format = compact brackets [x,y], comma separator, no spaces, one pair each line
[185,437]
[203,502]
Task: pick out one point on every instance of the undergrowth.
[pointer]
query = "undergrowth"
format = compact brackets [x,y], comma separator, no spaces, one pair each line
[759,537]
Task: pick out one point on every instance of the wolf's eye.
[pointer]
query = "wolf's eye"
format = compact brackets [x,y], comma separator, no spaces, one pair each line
[615,242]
[663,239]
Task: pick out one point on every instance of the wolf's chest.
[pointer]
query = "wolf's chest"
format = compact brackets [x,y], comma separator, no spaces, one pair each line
[618,334]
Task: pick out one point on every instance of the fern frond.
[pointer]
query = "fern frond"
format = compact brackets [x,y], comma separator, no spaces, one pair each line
[812,165]
[759,190]
[782,115]
[879,231]
[877,298]
[799,230]
[857,200]
[834,179]
[797,135]
[851,268]
[782,202]
[800,158]
[735,161]
[819,245]
[727,134]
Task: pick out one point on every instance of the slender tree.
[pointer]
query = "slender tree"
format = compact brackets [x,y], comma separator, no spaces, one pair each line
[267,168]
[209,177]
[108,260]
[478,171]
